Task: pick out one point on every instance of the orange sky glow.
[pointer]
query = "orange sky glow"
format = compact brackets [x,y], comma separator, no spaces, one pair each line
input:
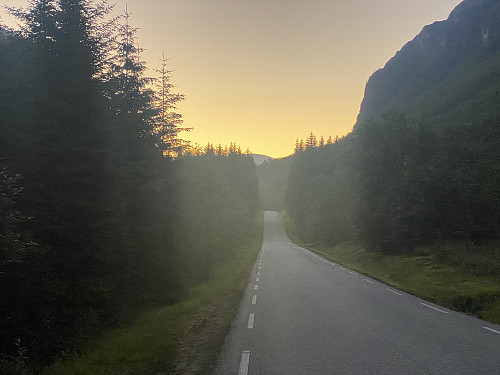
[262,73]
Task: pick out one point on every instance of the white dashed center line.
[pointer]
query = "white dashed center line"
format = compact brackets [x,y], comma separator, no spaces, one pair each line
[254,299]
[244,362]
[255,287]
[251,319]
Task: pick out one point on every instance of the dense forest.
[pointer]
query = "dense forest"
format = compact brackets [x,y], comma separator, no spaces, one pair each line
[104,210]
[396,184]
[421,165]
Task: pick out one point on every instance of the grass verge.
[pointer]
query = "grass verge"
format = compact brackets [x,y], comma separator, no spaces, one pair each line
[448,274]
[184,338]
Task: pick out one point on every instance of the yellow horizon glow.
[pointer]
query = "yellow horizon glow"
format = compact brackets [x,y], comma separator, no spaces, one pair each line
[262,73]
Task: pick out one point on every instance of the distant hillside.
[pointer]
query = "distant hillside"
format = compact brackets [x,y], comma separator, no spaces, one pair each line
[259,159]
[449,72]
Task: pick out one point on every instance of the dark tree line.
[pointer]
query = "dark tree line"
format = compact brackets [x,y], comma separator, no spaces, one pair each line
[217,208]
[97,220]
[396,184]
[322,192]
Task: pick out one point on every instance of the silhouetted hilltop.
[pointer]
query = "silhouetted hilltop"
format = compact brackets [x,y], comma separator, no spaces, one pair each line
[448,72]
[259,159]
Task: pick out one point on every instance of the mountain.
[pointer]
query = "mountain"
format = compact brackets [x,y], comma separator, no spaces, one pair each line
[259,159]
[450,72]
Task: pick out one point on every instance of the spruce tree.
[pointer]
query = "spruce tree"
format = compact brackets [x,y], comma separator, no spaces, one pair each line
[168,122]
[65,173]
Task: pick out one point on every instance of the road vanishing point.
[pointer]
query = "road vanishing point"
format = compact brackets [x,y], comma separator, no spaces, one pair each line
[302,314]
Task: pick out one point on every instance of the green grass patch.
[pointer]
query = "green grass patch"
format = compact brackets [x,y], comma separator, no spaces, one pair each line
[463,278]
[181,338]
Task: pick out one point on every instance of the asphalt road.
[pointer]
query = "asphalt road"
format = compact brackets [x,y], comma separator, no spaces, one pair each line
[304,315]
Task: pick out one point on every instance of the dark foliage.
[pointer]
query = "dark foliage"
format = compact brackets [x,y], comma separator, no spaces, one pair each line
[96,221]
[217,198]
[322,192]
[397,184]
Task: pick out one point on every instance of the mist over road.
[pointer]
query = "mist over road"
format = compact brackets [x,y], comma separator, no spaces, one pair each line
[303,315]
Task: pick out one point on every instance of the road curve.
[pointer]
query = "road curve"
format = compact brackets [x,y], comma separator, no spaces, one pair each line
[304,315]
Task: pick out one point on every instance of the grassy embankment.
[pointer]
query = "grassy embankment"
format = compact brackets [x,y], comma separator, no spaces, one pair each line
[457,276]
[182,338]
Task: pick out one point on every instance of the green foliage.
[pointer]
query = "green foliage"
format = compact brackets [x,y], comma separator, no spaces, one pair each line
[11,245]
[321,194]
[97,223]
[397,184]
[217,198]
[152,342]
[434,178]
[422,184]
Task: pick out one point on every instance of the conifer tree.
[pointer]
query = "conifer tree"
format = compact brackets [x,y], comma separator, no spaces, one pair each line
[127,88]
[297,148]
[321,141]
[311,141]
[64,173]
[168,122]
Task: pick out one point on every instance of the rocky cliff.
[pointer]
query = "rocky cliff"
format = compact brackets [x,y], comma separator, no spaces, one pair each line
[448,72]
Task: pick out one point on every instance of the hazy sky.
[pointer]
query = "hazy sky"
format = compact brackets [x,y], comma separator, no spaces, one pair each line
[262,73]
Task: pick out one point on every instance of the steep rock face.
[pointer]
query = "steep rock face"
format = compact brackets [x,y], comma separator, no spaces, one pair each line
[463,48]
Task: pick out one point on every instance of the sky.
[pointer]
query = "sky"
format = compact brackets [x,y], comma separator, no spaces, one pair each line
[262,73]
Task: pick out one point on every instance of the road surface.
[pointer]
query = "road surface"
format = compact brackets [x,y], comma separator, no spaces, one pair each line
[304,315]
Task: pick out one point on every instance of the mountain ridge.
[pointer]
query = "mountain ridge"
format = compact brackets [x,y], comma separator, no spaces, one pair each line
[467,43]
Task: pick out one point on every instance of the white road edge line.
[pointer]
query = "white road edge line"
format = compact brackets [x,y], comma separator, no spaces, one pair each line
[257,279]
[393,291]
[492,330]
[434,308]
[251,319]
[254,299]
[353,273]
[244,362]
[369,281]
